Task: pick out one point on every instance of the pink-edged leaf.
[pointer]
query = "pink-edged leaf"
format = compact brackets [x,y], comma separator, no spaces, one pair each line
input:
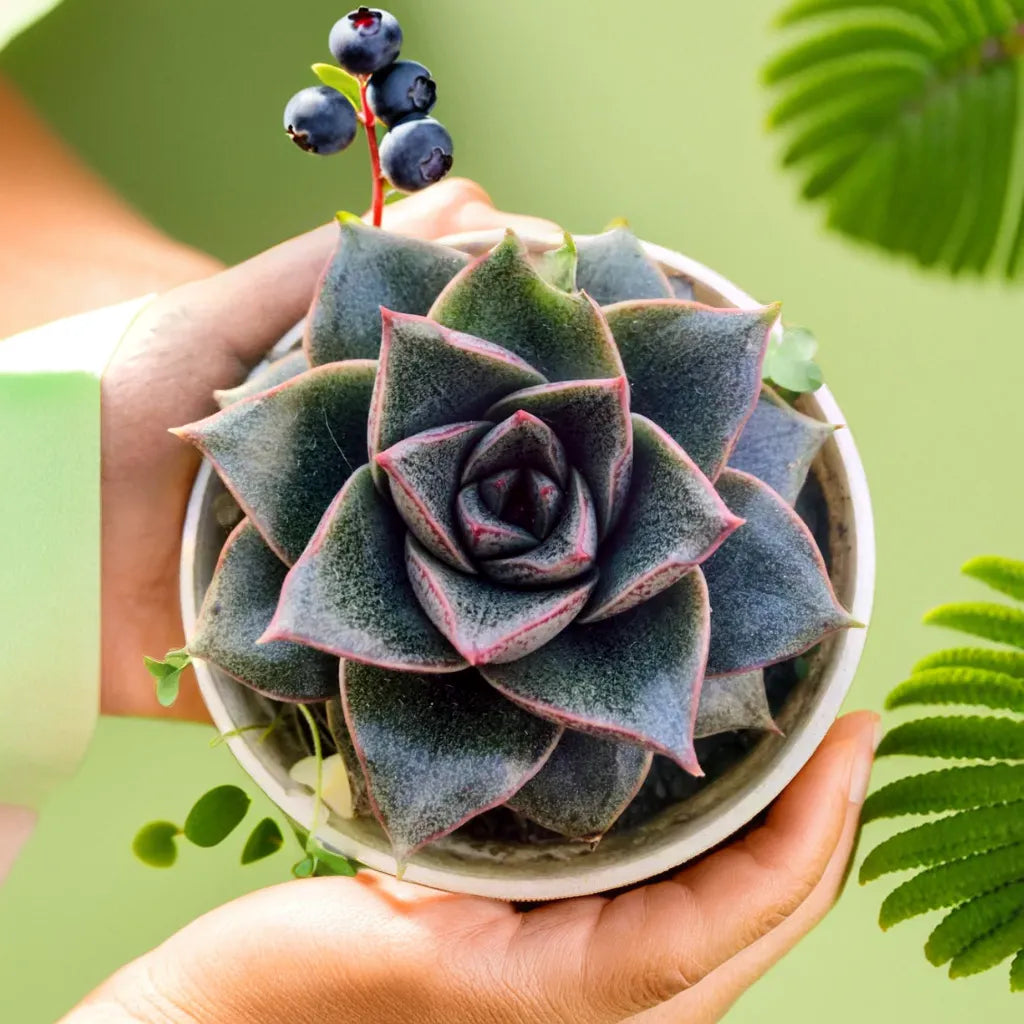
[778,445]
[437,750]
[544,502]
[285,453]
[269,377]
[496,489]
[591,419]
[238,605]
[349,593]
[734,702]
[635,677]
[423,471]
[770,592]
[520,440]
[613,267]
[369,269]
[567,553]
[486,622]
[694,370]
[673,520]
[487,535]
[503,298]
[431,377]
[584,786]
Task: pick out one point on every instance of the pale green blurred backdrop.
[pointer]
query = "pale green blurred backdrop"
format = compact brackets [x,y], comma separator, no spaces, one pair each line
[577,110]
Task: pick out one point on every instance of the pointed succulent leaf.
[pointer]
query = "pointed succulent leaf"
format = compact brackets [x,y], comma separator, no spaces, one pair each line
[769,586]
[431,377]
[613,267]
[778,445]
[591,419]
[634,678]
[520,440]
[284,454]
[566,554]
[437,750]
[496,489]
[486,534]
[694,370]
[733,702]
[584,786]
[546,501]
[369,269]
[338,729]
[276,373]
[349,593]
[558,266]
[501,297]
[673,519]
[422,471]
[484,621]
[238,607]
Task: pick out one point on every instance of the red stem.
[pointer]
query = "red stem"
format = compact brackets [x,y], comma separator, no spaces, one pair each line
[369,121]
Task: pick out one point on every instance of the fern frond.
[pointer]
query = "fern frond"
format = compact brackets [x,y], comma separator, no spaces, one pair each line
[949,884]
[1017,973]
[949,789]
[1010,663]
[990,950]
[959,930]
[966,736]
[1003,574]
[958,835]
[979,618]
[972,686]
[804,10]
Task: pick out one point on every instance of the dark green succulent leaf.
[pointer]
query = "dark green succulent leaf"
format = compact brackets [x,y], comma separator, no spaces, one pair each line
[778,445]
[584,786]
[789,361]
[284,454]
[350,594]
[949,789]
[432,377]
[486,622]
[438,750]
[980,934]
[591,419]
[558,266]
[733,702]
[1003,574]
[768,584]
[693,370]
[1010,663]
[346,749]
[501,297]
[154,844]
[423,471]
[970,736]
[264,840]
[238,607]
[567,553]
[979,618]
[215,815]
[673,519]
[269,377]
[959,686]
[371,269]
[487,534]
[613,267]
[340,79]
[520,440]
[547,501]
[496,489]
[633,678]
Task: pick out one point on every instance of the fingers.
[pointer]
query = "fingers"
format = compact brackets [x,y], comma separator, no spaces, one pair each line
[651,944]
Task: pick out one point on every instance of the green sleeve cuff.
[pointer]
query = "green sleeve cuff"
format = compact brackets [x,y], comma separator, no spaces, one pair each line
[50,546]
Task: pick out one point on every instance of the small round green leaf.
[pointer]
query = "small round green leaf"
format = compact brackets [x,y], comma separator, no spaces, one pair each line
[215,815]
[305,868]
[790,363]
[154,844]
[329,863]
[168,687]
[264,840]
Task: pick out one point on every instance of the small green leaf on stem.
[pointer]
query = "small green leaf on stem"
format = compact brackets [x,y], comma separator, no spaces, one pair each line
[617,222]
[167,673]
[154,844]
[558,266]
[341,80]
[789,361]
[215,815]
[264,840]
[305,867]
[329,863]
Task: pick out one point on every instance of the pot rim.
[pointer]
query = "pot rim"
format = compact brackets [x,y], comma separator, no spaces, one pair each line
[636,865]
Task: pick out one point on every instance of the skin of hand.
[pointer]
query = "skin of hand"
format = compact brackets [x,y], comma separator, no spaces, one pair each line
[372,950]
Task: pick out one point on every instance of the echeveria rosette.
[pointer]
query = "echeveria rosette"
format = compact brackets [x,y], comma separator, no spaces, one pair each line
[539,534]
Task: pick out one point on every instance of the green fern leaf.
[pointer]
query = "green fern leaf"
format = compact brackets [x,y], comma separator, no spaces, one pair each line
[1017,973]
[950,789]
[990,950]
[949,838]
[949,884]
[959,930]
[990,621]
[937,15]
[967,736]
[972,686]
[1010,663]
[1003,574]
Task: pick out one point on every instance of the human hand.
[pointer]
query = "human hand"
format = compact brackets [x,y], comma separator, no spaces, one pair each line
[194,339]
[371,949]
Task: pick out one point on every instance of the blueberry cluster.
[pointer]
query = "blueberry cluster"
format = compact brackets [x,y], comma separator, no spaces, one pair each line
[417,150]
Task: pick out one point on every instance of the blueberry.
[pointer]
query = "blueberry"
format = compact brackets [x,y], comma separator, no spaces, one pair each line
[365,40]
[416,153]
[401,89]
[320,120]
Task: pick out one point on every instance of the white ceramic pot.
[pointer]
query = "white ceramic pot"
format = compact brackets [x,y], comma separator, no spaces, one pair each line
[673,836]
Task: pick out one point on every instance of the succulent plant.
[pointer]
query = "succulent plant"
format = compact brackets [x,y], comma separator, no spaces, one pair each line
[537,539]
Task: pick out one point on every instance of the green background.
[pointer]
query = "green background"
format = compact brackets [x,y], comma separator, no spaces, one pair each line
[577,110]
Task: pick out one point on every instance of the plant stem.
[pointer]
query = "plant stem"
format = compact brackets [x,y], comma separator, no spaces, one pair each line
[318,795]
[369,123]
